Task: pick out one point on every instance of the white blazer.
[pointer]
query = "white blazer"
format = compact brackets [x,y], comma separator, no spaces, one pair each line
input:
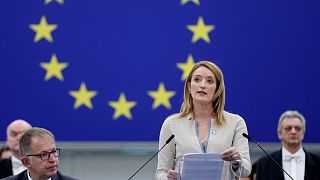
[186,141]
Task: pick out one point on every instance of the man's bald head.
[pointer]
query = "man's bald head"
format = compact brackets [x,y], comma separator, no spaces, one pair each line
[14,131]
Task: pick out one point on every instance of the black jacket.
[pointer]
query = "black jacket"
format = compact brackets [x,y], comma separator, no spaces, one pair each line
[24,176]
[5,168]
[266,169]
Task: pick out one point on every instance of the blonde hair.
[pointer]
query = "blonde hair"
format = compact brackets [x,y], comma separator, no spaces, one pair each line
[218,101]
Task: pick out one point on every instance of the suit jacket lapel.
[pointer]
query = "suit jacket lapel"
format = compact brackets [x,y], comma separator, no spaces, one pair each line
[308,164]
[10,166]
[56,176]
[278,173]
[25,175]
[22,176]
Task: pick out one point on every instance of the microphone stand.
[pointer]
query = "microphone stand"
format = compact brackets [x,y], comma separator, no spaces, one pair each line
[170,138]
[250,139]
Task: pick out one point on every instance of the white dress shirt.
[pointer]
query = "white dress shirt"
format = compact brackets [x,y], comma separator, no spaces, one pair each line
[294,164]
[17,166]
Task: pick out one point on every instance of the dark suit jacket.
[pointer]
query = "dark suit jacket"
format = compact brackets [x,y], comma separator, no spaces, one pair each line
[24,176]
[266,169]
[5,168]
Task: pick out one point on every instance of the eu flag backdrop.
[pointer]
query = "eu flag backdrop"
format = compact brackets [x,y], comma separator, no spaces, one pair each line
[114,70]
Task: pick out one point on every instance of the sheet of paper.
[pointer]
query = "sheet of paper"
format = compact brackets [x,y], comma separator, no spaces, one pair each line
[200,166]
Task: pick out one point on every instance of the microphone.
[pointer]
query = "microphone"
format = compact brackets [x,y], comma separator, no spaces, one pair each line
[167,142]
[250,139]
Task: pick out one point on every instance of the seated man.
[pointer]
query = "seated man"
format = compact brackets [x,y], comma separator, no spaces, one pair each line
[13,165]
[39,154]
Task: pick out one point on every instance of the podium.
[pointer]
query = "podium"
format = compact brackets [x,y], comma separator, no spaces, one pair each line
[200,166]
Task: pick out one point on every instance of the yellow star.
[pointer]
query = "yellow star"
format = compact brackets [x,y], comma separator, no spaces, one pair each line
[200,31]
[54,68]
[161,97]
[43,30]
[186,67]
[49,1]
[83,96]
[196,2]
[122,107]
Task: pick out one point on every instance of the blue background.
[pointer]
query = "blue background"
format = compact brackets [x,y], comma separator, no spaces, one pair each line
[267,50]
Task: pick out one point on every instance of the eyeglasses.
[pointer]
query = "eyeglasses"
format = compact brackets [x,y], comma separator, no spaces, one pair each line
[288,129]
[46,155]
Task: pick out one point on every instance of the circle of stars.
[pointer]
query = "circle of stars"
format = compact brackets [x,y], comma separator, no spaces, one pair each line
[122,107]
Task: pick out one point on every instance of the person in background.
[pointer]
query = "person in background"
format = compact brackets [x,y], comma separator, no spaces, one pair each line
[298,162]
[5,152]
[13,165]
[202,126]
[39,154]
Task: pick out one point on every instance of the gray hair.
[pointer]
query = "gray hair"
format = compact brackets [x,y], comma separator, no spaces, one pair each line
[26,139]
[292,114]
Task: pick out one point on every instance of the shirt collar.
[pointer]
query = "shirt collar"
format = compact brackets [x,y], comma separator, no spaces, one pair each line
[29,177]
[15,161]
[300,153]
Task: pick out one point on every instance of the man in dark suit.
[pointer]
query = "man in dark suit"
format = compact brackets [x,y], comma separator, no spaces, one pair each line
[40,155]
[24,176]
[13,165]
[299,163]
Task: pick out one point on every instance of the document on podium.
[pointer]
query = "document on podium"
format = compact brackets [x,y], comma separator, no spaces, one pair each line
[201,166]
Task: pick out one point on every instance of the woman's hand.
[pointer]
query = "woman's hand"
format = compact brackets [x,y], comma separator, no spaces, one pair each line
[231,154]
[172,175]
